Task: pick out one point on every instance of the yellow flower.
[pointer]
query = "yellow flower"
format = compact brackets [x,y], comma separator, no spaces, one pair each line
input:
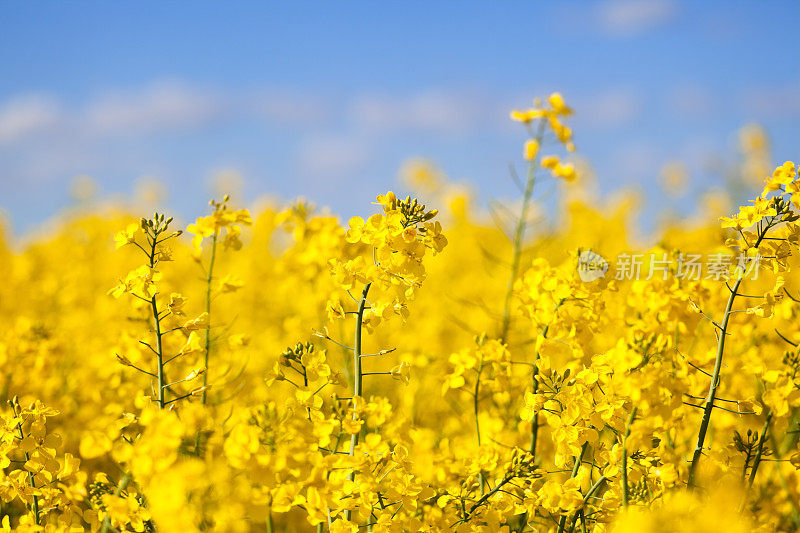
[352,426]
[201,322]
[127,236]
[401,372]
[531,149]
[176,303]
[559,106]
[230,283]
[194,344]
[526,116]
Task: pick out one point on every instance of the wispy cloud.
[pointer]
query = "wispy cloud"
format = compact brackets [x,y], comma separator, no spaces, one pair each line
[288,107]
[27,116]
[613,107]
[690,100]
[157,107]
[438,111]
[325,156]
[624,18]
[772,100]
[638,161]
[112,132]
[161,106]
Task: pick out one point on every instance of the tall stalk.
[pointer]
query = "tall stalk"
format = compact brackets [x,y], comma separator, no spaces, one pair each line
[153,229]
[159,352]
[209,280]
[715,377]
[519,235]
[357,374]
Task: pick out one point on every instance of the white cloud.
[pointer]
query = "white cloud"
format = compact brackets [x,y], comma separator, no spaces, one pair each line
[28,115]
[629,17]
[112,132]
[770,101]
[328,156]
[159,106]
[289,107]
[432,111]
[690,100]
[610,108]
[637,161]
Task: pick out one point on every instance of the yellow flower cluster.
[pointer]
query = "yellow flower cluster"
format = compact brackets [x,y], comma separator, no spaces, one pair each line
[386,253]
[256,378]
[536,119]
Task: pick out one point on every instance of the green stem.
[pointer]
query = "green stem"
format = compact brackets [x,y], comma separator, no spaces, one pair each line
[519,235]
[715,379]
[485,497]
[625,489]
[159,355]
[535,423]
[756,461]
[160,377]
[759,451]
[209,279]
[357,375]
[594,488]
[712,389]
[270,524]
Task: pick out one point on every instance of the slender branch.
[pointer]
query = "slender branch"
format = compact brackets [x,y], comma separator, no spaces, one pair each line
[790,296]
[327,337]
[178,398]
[486,496]
[143,371]
[720,408]
[382,352]
[785,339]
[147,343]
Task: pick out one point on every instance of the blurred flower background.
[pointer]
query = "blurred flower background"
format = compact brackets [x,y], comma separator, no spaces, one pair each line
[281,368]
[176,101]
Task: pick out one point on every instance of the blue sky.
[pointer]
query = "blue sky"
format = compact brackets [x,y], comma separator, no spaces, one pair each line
[326,100]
